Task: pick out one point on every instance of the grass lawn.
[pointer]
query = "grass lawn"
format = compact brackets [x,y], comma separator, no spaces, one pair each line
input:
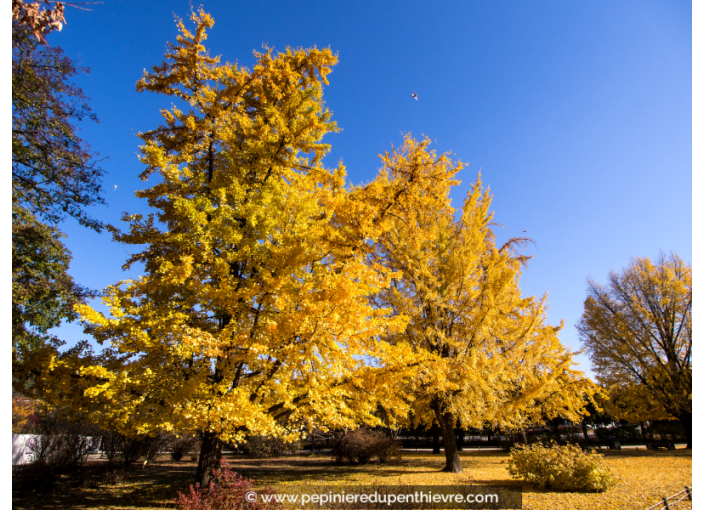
[642,478]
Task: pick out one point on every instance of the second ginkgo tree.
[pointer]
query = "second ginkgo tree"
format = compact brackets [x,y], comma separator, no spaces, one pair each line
[490,358]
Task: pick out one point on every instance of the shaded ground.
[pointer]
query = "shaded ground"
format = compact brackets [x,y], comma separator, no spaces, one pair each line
[643,477]
[94,486]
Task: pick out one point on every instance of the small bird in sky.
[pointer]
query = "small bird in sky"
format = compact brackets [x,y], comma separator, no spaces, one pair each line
[525,231]
[415,96]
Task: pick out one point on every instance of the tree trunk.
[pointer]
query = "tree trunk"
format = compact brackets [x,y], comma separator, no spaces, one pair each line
[459,437]
[556,430]
[435,430]
[524,436]
[642,431]
[686,421]
[210,455]
[452,458]
[585,431]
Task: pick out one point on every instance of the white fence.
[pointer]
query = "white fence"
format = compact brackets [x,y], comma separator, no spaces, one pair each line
[22,452]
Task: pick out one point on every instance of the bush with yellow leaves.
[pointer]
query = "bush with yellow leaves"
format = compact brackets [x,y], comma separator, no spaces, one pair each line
[562,468]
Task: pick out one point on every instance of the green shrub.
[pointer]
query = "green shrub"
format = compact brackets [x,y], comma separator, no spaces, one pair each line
[362,445]
[562,468]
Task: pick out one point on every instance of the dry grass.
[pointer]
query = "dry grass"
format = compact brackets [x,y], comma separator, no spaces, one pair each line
[643,478]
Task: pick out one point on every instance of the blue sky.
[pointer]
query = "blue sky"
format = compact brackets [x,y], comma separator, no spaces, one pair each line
[577,114]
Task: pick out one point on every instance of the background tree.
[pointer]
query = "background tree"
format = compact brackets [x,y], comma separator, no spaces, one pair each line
[53,175]
[596,415]
[489,357]
[43,294]
[633,403]
[638,332]
[252,314]
[53,171]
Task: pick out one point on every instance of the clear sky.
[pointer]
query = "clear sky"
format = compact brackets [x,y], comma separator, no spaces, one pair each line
[577,114]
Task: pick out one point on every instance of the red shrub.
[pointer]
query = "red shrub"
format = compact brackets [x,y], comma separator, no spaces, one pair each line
[228,491]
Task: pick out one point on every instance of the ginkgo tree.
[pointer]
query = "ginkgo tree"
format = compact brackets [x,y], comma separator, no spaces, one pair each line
[491,358]
[252,314]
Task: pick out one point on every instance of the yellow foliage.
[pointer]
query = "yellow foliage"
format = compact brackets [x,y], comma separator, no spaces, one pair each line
[489,358]
[253,314]
[22,409]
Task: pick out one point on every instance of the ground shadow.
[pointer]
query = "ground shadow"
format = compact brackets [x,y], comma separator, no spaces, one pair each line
[95,486]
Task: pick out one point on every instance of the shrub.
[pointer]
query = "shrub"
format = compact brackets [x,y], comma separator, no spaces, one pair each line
[154,445]
[182,445]
[362,445]
[61,451]
[563,468]
[627,432]
[227,492]
[603,433]
[266,446]
[143,446]
[509,441]
[110,443]
[131,449]
[61,444]
[667,430]
[538,436]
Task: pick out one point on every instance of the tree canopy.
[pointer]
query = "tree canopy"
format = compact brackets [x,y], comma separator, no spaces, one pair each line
[43,293]
[638,332]
[54,174]
[37,18]
[490,358]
